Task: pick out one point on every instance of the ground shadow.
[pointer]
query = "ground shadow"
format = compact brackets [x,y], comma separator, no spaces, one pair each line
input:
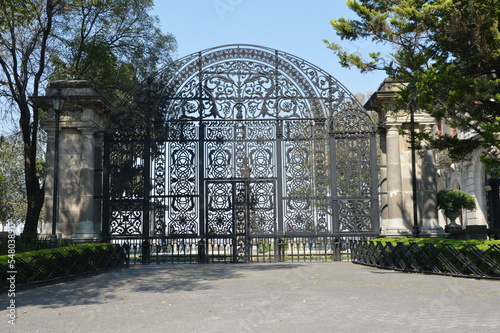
[113,284]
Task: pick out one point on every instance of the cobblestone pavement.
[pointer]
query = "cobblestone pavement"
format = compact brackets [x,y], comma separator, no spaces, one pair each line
[290,297]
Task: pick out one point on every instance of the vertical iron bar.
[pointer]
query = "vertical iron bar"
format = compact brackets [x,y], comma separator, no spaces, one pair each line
[234,209]
[279,177]
[105,188]
[248,208]
[146,179]
[375,182]
[201,179]
[416,228]
[333,183]
[201,167]
[280,219]
[55,203]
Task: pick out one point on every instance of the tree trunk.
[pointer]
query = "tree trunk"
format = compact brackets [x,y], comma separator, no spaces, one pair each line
[34,188]
[35,205]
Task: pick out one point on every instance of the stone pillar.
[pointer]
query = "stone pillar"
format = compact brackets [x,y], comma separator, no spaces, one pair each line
[430,221]
[86,223]
[81,122]
[394,225]
[69,177]
[397,208]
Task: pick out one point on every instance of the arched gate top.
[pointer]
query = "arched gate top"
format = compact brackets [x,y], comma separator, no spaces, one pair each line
[234,82]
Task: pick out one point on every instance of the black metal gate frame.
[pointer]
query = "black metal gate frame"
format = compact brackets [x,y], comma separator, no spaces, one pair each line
[239,143]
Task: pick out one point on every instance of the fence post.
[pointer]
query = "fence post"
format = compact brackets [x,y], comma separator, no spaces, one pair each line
[145,252]
[353,249]
[281,250]
[336,249]
[126,248]
[201,252]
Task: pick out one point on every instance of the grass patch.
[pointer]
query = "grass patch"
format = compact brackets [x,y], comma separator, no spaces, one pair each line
[408,240]
[457,243]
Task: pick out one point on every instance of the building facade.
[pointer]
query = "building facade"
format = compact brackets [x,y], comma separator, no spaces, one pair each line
[434,169]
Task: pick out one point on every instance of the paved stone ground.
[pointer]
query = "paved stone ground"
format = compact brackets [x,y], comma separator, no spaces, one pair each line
[290,297]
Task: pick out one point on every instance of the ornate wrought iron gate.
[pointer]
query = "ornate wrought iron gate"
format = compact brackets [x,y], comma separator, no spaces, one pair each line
[236,144]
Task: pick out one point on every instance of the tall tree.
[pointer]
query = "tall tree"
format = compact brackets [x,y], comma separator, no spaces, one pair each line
[446,54]
[115,44]
[108,41]
[25,29]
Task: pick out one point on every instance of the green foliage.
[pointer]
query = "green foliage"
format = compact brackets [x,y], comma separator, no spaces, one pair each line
[46,252]
[18,11]
[114,43]
[49,264]
[455,200]
[33,243]
[13,200]
[4,203]
[453,76]
[436,240]
[265,247]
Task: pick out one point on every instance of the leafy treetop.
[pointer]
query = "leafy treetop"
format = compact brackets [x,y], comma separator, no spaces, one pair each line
[446,55]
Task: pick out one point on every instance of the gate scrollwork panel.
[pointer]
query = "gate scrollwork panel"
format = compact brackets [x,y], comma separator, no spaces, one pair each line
[244,141]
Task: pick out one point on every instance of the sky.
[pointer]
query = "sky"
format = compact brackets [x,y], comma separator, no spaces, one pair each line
[297,27]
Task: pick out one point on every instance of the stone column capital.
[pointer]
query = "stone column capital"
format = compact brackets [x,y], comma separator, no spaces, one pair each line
[392,126]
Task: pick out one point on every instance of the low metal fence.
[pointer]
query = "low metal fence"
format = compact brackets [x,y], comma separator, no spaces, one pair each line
[220,250]
[464,260]
[61,263]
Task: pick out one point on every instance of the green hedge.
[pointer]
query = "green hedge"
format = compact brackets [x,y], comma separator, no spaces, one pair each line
[30,244]
[471,258]
[458,243]
[48,264]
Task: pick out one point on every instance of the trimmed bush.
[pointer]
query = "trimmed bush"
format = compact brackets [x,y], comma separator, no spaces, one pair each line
[455,200]
[48,264]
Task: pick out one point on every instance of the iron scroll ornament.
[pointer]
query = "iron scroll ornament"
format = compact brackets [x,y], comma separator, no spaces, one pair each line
[306,141]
